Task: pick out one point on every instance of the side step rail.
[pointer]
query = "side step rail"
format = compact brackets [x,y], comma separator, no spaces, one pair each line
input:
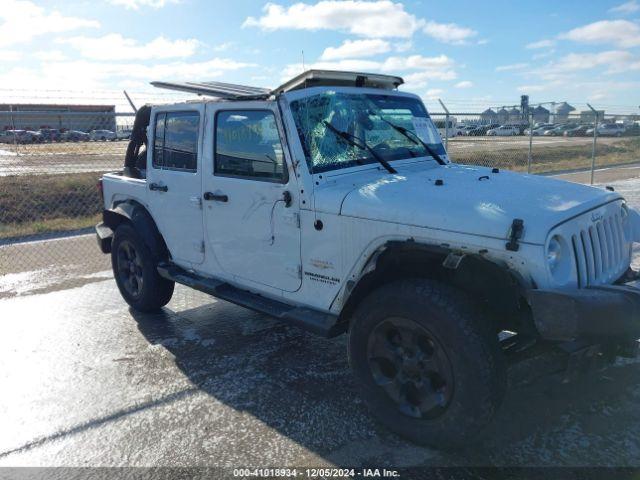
[314,321]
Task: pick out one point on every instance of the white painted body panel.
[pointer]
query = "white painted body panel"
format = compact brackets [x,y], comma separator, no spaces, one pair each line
[178,211]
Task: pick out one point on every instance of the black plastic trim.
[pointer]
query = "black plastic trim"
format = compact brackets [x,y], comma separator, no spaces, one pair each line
[599,313]
[314,321]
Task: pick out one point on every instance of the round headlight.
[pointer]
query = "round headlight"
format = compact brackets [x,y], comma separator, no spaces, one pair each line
[554,251]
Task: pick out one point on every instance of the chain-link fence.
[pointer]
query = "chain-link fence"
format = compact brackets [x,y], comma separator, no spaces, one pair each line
[584,140]
[52,155]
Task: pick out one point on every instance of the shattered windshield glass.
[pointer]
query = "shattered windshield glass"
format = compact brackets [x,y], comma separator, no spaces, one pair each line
[368,117]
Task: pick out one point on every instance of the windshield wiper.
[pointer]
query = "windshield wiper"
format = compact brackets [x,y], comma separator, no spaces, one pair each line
[361,144]
[412,136]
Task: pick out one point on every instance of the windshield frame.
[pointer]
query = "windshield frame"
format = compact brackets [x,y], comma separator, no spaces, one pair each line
[363,160]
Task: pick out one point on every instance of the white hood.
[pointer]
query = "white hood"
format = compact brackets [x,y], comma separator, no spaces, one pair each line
[466,202]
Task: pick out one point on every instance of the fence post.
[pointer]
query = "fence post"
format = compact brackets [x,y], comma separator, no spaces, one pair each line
[446,126]
[530,156]
[13,127]
[595,138]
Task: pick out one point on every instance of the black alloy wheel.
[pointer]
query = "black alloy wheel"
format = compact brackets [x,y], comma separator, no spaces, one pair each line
[411,366]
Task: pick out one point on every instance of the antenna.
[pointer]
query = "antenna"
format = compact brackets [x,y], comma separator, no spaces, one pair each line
[303,69]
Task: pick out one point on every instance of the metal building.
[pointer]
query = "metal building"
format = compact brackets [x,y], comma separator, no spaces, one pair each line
[30,116]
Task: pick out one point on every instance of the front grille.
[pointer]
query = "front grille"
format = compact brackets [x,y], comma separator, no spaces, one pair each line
[601,253]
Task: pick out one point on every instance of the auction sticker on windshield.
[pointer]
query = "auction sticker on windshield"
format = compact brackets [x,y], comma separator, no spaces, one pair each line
[421,127]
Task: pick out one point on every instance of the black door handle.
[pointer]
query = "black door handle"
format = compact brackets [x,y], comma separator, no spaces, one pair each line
[158,188]
[216,197]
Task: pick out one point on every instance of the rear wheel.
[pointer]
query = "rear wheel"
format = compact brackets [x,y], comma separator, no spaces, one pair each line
[134,269]
[429,367]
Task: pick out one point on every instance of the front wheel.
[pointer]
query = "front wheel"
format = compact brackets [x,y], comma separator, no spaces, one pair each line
[134,269]
[428,366]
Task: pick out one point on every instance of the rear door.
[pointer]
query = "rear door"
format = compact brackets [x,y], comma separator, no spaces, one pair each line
[252,224]
[174,179]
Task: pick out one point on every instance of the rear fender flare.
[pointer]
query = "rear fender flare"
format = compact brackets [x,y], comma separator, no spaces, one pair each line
[136,214]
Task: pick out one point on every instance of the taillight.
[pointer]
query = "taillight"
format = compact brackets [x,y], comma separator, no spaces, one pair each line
[100,189]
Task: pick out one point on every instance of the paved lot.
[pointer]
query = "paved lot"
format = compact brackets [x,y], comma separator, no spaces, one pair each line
[86,382]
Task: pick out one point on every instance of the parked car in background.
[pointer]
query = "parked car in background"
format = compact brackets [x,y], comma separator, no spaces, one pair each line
[50,134]
[33,137]
[539,127]
[465,129]
[541,130]
[123,134]
[504,131]
[609,130]
[6,136]
[580,131]
[483,129]
[75,136]
[21,136]
[632,130]
[102,135]
[559,131]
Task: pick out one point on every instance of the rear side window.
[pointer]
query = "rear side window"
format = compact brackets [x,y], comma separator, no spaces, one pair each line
[248,146]
[175,145]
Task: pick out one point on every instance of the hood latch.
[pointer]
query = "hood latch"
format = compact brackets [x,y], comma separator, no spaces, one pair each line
[515,234]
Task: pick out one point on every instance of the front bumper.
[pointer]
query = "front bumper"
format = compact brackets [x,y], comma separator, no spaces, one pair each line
[607,313]
[104,235]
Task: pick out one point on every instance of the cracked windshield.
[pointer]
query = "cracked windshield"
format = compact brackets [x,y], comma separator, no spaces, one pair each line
[339,130]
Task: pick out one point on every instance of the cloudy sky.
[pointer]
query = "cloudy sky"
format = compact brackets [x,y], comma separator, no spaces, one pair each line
[465,51]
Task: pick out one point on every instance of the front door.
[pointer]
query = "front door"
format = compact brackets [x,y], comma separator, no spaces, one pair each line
[174,180]
[252,225]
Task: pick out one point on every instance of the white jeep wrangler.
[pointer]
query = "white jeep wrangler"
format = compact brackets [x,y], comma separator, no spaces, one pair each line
[330,203]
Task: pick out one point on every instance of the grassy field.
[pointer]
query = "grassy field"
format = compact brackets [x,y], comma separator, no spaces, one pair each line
[546,157]
[31,204]
[42,203]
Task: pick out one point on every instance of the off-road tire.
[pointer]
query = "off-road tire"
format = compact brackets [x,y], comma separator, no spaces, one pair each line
[470,343]
[155,291]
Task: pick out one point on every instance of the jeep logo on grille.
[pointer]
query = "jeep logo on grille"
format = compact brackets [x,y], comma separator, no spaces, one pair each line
[596,217]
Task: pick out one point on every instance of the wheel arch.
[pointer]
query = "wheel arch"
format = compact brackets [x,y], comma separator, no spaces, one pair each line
[499,290]
[138,216]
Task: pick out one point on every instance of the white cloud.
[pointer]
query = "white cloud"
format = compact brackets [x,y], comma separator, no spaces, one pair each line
[403,46]
[464,84]
[90,75]
[626,8]
[449,32]
[546,54]
[22,20]
[136,4]
[622,33]
[433,93]
[531,88]
[346,64]
[541,44]
[375,19]
[418,68]
[613,61]
[50,55]
[10,55]
[417,62]
[116,47]
[356,49]
[513,66]
[223,47]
